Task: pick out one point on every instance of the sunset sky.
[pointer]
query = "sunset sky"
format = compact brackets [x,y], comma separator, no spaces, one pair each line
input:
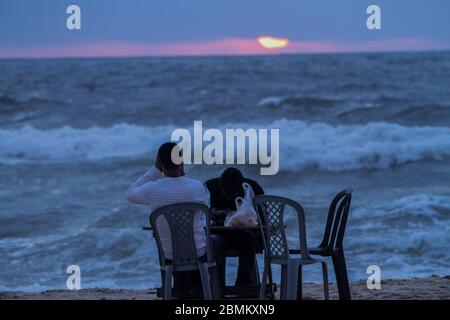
[37,28]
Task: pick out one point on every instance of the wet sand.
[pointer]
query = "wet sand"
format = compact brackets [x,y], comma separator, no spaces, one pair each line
[432,288]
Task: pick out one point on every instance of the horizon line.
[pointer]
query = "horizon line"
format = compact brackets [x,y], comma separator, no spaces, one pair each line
[227,55]
[221,47]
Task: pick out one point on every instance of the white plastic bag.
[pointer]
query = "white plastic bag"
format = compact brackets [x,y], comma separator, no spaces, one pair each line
[245,215]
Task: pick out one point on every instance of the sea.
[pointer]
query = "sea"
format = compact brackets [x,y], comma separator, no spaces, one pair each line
[76,133]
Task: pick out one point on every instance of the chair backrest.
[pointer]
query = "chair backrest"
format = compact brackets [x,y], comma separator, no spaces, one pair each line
[180,218]
[337,220]
[271,209]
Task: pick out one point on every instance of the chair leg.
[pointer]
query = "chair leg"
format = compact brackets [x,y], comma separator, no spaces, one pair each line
[345,283]
[216,286]
[163,280]
[255,271]
[292,280]
[340,269]
[206,281]
[167,283]
[263,282]
[326,290]
[269,272]
[283,284]
[300,283]
[338,275]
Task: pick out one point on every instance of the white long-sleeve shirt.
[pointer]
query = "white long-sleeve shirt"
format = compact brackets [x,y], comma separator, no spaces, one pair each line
[155,190]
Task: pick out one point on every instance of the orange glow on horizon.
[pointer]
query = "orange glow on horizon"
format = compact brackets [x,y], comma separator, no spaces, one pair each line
[273,43]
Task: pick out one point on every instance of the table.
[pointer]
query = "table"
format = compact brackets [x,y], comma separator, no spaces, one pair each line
[222,229]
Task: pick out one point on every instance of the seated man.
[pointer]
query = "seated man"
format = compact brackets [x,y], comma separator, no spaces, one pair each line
[166,184]
[223,191]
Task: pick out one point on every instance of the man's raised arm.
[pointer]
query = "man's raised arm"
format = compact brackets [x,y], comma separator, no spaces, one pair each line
[143,191]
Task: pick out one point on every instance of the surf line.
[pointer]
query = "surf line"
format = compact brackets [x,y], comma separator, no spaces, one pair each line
[251,146]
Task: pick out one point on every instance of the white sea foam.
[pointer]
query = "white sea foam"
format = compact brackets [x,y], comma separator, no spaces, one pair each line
[410,206]
[270,101]
[351,147]
[412,226]
[122,140]
[302,145]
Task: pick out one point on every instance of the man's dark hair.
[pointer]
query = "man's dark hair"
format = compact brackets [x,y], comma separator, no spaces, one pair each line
[165,155]
[231,181]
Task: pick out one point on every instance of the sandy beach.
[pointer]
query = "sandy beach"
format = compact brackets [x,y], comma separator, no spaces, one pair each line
[432,288]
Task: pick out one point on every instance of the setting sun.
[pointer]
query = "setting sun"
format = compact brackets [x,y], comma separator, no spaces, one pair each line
[273,43]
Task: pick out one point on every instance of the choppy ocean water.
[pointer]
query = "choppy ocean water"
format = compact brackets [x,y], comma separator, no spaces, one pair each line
[75,133]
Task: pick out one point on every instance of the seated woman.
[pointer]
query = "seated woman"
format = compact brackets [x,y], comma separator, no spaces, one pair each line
[223,192]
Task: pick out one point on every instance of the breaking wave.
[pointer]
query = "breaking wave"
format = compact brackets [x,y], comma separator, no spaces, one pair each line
[302,145]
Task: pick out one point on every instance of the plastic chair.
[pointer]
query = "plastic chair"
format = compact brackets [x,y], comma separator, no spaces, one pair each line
[272,210]
[331,245]
[180,218]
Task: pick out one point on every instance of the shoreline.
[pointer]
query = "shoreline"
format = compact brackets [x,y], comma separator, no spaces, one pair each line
[430,288]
